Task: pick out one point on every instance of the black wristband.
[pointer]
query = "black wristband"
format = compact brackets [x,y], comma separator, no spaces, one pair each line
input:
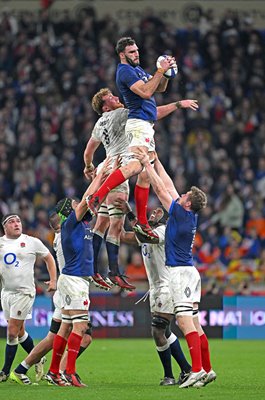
[131,216]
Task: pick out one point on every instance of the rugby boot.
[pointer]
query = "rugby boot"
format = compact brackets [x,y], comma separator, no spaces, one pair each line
[74,380]
[3,376]
[119,280]
[56,379]
[21,379]
[100,282]
[145,230]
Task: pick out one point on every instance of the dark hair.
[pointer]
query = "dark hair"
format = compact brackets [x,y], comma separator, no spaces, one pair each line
[123,42]
[6,217]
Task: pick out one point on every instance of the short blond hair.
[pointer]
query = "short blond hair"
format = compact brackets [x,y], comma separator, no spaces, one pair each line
[197,198]
[98,102]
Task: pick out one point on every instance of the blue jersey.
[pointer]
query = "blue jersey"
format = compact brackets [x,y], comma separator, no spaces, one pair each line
[180,234]
[139,108]
[76,237]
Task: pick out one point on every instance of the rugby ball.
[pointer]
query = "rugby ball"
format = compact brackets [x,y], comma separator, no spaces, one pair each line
[171,72]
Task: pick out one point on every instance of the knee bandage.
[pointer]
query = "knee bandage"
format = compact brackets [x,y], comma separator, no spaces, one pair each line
[160,322]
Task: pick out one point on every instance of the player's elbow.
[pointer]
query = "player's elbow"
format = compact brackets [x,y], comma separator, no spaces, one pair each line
[146,95]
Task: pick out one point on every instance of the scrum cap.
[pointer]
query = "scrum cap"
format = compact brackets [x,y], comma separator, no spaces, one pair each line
[64,208]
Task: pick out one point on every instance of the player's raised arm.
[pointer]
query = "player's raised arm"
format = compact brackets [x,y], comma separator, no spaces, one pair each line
[155,180]
[90,149]
[166,179]
[158,83]
[163,111]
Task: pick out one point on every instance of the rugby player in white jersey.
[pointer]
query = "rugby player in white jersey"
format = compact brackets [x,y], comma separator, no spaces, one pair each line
[184,279]
[167,343]
[110,131]
[36,356]
[18,253]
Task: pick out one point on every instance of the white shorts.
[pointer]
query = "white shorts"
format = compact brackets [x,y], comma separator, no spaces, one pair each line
[185,285]
[74,292]
[57,301]
[17,305]
[123,188]
[161,300]
[141,133]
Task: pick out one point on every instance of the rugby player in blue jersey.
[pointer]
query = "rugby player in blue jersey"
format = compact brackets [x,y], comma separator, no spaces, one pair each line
[184,279]
[137,88]
[73,283]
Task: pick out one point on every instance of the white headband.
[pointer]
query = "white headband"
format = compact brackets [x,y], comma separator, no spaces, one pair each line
[9,217]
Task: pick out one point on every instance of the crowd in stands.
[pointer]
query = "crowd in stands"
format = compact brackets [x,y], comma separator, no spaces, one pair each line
[49,72]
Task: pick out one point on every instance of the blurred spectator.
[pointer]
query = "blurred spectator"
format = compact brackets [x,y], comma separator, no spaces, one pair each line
[136,269]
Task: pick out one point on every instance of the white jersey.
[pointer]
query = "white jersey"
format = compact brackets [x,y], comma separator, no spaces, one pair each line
[154,260]
[17,257]
[110,130]
[57,246]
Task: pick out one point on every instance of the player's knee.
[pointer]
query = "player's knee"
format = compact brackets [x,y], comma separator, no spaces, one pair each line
[80,323]
[55,326]
[87,339]
[159,325]
[13,332]
[89,329]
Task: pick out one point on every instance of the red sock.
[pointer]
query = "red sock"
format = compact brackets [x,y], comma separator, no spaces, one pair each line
[59,344]
[74,342]
[112,181]
[141,200]
[206,363]
[194,344]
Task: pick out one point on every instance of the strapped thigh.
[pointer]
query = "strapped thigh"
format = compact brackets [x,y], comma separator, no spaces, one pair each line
[79,318]
[184,309]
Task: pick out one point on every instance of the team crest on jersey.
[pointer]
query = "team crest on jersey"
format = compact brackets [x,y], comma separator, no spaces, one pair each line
[68,299]
[85,302]
[22,244]
[187,291]
[19,313]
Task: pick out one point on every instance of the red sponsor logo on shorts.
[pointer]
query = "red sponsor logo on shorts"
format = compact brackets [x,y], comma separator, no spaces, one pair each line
[22,244]
[147,140]
[85,302]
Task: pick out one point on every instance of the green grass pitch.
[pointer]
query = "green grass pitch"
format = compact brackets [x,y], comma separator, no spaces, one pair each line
[129,369]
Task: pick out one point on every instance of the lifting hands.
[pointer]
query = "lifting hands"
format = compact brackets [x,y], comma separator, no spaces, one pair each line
[192,104]
[142,156]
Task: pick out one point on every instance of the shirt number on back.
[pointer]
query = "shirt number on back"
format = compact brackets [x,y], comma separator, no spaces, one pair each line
[106,136]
